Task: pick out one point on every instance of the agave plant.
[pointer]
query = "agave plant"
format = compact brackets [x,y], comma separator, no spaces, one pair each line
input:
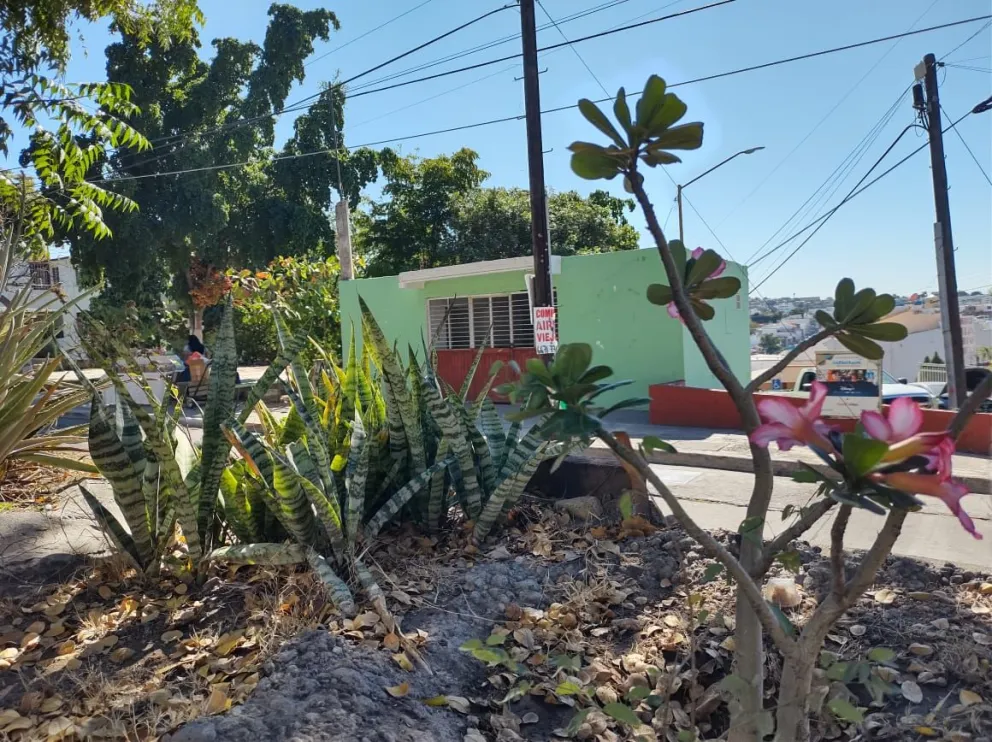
[30,402]
[158,478]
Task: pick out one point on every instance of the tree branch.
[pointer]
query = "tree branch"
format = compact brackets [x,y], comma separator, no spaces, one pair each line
[746,585]
[788,358]
[970,407]
[808,517]
[872,561]
[837,531]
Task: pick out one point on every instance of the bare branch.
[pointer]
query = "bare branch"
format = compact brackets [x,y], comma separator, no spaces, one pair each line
[746,585]
[837,531]
[872,561]
[808,518]
[970,407]
[788,358]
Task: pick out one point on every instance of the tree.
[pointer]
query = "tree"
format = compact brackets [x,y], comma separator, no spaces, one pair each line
[205,116]
[936,358]
[67,137]
[770,344]
[438,214]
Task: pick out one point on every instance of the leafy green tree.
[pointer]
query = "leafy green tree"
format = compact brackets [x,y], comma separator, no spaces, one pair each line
[67,137]
[770,344]
[206,114]
[435,212]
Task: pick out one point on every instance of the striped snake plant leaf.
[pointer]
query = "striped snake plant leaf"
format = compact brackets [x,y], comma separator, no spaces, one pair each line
[220,406]
[485,467]
[315,437]
[400,498]
[437,503]
[528,447]
[455,433]
[303,463]
[119,537]
[271,428]
[372,589]
[510,442]
[470,376]
[236,510]
[294,509]
[349,381]
[399,446]
[355,447]
[357,481]
[483,394]
[131,438]
[293,428]
[272,555]
[506,494]
[329,517]
[253,451]
[337,589]
[395,378]
[258,390]
[491,425]
[114,463]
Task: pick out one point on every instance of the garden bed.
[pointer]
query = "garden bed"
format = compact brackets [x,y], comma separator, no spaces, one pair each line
[506,643]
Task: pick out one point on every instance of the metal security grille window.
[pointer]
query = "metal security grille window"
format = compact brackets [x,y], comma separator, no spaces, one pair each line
[461,323]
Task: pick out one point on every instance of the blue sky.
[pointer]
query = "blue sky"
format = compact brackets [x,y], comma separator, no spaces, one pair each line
[884,238]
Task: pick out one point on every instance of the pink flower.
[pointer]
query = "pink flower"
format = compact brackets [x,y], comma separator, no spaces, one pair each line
[698,253]
[788,425]
[905,418]
[933,485]
[921,444]
[673,312]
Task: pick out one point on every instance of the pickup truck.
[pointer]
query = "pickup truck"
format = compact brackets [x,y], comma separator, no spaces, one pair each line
[973,377]
[892,388]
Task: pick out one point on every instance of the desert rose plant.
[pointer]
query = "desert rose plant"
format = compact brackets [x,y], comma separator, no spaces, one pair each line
[882,467]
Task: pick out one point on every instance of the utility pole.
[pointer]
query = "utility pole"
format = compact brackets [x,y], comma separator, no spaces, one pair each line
[950,319]
[535,158]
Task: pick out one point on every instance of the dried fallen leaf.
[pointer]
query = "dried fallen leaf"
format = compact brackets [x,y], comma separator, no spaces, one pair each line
[160,697]
[66,647]
[181,588]
[403,661]
[920,650]
[171,636]
[38,627]
[530,718]
[105,592]
[911,692]
[122,654]
[459,704]
[59,728]
[885,596]
[227,642]
[217,702]
[398,691]
[7,716]
[437,701]
[969,698]
[978,636]
[391,642]
[50,705]
[858,630]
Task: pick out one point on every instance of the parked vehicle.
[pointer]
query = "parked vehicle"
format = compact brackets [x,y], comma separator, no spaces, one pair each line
[972,378]
[892,388]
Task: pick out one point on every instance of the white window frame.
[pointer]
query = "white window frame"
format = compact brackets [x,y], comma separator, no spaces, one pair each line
[473,345]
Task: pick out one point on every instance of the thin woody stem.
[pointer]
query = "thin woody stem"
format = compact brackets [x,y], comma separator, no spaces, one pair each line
[788,358]
[809,517]
[837,532]
[750,589]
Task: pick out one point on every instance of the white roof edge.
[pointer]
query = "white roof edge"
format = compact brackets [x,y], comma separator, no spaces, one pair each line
[416,279]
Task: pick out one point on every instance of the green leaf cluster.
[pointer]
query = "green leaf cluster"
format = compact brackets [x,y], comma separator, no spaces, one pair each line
[696,280]
[649,135]
[855,320]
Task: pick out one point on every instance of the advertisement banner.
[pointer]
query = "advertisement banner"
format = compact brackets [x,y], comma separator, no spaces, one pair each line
[545,332]
[854,384]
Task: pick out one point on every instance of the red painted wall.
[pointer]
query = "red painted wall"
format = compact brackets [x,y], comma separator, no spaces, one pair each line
[453,366]
[712,408]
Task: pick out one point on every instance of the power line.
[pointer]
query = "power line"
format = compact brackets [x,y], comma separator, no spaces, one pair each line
[490,122]
[830,184]
[371,31]
[974,159]
[823,119]
[859,190]
[574,50]
[966,40]
[972,68]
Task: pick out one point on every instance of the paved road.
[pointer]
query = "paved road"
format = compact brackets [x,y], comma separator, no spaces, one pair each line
[718,499]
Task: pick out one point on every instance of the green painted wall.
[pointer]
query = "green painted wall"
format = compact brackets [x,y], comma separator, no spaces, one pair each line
[730,330]
[602,301]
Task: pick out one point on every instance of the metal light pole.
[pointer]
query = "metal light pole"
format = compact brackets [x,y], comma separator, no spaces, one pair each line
[680,188]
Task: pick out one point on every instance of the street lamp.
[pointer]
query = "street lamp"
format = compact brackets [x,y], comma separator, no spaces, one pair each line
[750,151]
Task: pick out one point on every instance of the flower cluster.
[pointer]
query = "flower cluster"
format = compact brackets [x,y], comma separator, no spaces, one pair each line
[908,461]
[673,311]
[208,286]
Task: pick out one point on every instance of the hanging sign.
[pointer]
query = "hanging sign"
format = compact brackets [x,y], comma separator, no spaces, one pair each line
[545,333]
[853,383]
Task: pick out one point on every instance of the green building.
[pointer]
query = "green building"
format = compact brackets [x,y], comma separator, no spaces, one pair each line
[600,299]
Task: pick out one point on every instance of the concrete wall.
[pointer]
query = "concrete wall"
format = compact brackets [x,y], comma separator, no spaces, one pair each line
[601,301]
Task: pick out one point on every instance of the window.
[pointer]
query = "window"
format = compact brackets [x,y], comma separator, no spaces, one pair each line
[500,321]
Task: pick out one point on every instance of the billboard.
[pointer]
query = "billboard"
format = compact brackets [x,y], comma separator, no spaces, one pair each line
[854,383]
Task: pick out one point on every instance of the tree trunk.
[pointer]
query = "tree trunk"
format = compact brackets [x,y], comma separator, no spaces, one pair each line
[792,717]
[196,323]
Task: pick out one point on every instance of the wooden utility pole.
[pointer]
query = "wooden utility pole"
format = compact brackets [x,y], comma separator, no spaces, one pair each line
[950,319]
[535,159]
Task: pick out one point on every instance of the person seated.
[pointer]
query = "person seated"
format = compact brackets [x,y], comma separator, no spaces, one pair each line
[194,349]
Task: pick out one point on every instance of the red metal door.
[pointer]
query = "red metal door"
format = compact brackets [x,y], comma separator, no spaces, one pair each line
[453,366]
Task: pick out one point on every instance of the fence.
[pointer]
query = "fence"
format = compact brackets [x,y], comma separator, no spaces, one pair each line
[932,372]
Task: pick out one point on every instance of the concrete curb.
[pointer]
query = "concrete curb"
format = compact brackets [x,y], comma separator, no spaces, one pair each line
[780,467]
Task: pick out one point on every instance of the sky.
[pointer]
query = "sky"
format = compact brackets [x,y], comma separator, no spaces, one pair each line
[812,117]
